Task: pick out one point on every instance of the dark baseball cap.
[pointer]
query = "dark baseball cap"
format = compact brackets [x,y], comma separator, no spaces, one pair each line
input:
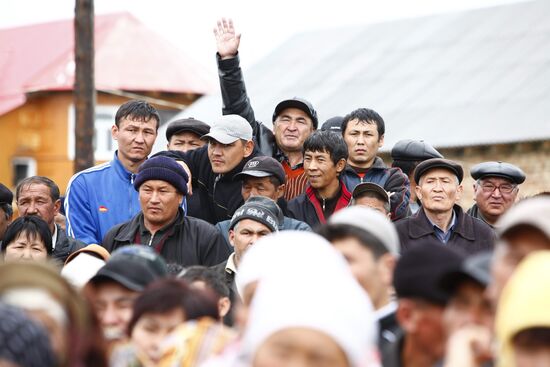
[370,187]
[333,124]
[498,169]
[419,270]
[187,124]
[134,267]
[413,150]
[432,163]
[6,196]
[300,104]
[262,166]
[476,268]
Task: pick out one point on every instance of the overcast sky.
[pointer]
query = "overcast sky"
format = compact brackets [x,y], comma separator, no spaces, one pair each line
[263,24]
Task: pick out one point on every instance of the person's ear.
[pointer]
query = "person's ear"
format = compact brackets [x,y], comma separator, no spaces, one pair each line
[224,305]
[459,191]
[418,191]
[281,191]
[56,207]
[248,148]
[340,165]
[405,315]
[114,132]
[232,237]
[381,141]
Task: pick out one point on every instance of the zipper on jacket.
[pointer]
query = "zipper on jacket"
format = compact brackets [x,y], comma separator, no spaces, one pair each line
[323,204]
[151,240]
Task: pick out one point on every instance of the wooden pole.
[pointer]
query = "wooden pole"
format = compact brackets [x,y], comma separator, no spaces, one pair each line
[84,87]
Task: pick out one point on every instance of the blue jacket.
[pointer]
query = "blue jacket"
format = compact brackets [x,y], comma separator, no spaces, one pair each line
[392,179]
[98,199]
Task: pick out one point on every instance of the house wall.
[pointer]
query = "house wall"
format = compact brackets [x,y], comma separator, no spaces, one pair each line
[39,129]
[532,157]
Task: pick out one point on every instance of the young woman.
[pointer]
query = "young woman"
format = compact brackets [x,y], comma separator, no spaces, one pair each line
[27,239]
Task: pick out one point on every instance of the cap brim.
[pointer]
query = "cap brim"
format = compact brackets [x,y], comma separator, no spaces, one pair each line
[107,274]
[239,176]
[369,188]
[220,137]
[292,103]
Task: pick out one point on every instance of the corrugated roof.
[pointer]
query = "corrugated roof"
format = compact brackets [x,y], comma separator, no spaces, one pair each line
[128,56]
[468,78]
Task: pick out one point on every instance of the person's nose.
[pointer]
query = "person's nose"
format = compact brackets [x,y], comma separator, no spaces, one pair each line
[140,138]
[155,197]
[31,209]
[109,316]
[26,254]
[496,192]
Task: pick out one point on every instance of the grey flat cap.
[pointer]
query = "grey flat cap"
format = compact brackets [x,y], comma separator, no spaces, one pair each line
[498,169]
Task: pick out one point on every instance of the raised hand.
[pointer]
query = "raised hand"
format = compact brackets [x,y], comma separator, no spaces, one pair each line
[227,41]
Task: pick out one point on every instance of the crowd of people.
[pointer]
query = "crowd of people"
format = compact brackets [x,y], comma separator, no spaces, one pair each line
[241,245]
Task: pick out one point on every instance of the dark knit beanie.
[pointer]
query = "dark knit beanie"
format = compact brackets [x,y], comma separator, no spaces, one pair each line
[163,169]
[23,341]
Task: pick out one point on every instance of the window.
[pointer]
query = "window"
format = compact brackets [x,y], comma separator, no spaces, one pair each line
[103,144]
[22,167]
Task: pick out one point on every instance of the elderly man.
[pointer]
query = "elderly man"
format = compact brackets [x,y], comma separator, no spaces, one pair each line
[368,241]
[6,211]
[372,196]
[162,184]
[441,220]
[294,119]
[496,189]
[38,195]
[102,196]
[406,155]
[185,134]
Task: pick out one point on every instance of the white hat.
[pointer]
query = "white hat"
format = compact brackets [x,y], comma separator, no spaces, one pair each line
[370,221]
[534,212]
[307,284]
[229,128]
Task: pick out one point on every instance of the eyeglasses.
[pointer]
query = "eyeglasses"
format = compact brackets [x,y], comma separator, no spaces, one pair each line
[504,188]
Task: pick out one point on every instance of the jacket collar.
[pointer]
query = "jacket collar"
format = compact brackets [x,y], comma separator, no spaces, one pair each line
[420,226]
[128,233]
[121,170]
[377,164]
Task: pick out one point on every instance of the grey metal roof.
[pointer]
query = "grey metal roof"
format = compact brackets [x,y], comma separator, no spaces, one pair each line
[468,78]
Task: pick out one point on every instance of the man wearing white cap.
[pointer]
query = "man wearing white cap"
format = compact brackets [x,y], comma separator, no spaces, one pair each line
[212,167]
[369,242]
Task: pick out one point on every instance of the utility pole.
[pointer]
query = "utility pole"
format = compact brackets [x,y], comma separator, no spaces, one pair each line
[84,85]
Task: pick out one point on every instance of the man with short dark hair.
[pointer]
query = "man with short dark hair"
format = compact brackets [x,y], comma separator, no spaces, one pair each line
[363,130]
[101,197]
[185,134]
[325,156]
[162,225]
[495,189]
[38,195]
[372,196]
[368,241]
[293,119]
[6,211]
[406,155]
[213,166]
[264,176]
[118,283]
[440,220]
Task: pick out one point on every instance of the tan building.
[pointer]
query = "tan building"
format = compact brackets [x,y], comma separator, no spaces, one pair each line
[36,101]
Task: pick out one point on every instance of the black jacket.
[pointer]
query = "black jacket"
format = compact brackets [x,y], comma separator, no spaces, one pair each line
[469,236]
[219,194]
[307,207]
[187,241]
[64,246]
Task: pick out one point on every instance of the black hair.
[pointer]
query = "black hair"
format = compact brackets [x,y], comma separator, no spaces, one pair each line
[33,227]
[137,110]
[326,141]
[407,167]
[210,277]
[8,210]
[165,295]
[38,180]
[340,231]
[366,115]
